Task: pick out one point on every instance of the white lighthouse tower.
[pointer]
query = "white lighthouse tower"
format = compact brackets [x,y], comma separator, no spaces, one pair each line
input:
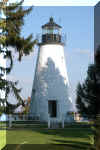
[50,94]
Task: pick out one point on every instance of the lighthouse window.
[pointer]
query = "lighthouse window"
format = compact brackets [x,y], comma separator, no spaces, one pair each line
[52,108]
[50,31]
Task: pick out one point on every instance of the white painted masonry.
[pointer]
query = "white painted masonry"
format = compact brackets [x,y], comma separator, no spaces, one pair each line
[50,83]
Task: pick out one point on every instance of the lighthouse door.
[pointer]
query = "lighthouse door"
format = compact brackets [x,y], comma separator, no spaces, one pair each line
[52,108]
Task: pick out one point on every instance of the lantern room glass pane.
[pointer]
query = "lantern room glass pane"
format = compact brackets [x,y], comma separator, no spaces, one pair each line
[57,31]
[51,31]
[44,31]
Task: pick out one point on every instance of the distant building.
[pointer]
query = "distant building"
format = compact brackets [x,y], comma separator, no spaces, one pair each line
[77,117]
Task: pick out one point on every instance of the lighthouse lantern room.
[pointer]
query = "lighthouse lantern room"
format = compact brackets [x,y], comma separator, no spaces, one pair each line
[51,32]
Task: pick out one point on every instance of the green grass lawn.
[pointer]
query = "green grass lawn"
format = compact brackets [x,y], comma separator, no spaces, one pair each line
[71,138]
[2,138]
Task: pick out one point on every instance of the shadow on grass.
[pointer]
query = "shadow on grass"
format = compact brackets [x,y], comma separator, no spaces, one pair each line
[70,133]
[73,144]
[41,146]
[55,141]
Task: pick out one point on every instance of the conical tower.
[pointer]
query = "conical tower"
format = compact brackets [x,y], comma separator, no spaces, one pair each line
[50,94]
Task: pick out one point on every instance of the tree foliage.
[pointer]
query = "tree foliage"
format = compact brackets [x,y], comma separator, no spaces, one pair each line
[88,93]
[88,97]
[10,36]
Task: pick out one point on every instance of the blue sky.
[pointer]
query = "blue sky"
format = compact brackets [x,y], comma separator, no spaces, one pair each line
[77,24]
[58,3]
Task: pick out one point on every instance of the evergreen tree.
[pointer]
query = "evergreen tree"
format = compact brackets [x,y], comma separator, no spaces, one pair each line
[88,93]
[88,97]
[10,36]
[87,101]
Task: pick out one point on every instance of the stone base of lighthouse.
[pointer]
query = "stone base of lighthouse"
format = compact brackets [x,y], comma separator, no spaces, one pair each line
[50,94]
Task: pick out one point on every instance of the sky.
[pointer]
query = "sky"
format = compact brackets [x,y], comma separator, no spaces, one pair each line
[58,3]
[96,26]
[77,24]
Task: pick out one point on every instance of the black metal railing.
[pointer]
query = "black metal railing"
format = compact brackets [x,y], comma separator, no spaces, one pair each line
[51,38]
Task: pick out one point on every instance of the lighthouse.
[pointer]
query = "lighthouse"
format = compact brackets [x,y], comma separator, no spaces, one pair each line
[50,91]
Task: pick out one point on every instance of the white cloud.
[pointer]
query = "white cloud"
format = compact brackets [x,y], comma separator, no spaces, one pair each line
[83,51]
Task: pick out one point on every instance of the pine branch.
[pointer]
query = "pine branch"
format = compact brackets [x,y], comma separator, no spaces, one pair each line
[11,37]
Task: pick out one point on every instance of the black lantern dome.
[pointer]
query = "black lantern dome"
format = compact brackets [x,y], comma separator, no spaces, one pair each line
[51,32]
